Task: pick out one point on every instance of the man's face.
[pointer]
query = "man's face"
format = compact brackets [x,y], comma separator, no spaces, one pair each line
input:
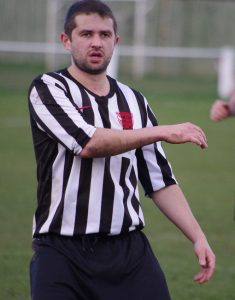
[92,43]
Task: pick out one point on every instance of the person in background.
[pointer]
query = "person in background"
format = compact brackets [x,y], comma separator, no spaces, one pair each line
[94,138]
[221,109]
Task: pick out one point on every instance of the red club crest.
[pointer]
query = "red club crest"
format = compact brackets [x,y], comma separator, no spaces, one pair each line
[125,119]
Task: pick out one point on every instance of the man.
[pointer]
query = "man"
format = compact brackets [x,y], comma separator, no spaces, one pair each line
[94,138]
[221,110]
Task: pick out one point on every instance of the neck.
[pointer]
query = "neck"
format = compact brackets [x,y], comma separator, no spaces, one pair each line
[98,84]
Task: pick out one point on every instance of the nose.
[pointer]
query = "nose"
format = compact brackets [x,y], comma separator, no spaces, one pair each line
[96,41]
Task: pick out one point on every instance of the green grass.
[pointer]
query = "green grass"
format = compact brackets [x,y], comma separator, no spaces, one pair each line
[206,177]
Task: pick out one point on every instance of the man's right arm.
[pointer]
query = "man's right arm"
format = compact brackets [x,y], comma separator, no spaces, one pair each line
[108,142]
[56,115]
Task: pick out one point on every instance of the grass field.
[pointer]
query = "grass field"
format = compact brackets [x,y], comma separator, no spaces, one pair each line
[206,176]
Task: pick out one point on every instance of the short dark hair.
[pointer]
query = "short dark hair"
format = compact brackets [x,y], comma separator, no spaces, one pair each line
[87,7]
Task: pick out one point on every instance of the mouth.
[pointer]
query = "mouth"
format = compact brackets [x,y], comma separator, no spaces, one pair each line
[95,57]
[96,53]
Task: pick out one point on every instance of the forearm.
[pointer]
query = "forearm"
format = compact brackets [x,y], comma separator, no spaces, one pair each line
[173,204]
[108,142]
[171,201]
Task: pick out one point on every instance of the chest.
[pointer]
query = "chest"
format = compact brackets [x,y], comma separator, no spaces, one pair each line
[118,112]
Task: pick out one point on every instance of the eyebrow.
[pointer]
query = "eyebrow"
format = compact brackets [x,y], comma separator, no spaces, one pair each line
[91,31]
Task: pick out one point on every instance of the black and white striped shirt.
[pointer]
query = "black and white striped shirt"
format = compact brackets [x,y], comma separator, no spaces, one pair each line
[100,195]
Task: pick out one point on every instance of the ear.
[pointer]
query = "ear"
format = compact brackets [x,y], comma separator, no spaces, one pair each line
[65,41]
[117,40]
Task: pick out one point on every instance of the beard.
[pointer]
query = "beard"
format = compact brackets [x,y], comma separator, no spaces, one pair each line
[88,68]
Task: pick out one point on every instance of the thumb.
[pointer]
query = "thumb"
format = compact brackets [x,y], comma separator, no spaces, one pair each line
[202,259]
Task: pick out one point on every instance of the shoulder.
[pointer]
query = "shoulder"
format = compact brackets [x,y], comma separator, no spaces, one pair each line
[54,78]
[50,76]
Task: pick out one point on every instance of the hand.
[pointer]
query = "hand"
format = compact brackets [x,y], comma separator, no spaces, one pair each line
[219,110]
[183,133]
[206,259]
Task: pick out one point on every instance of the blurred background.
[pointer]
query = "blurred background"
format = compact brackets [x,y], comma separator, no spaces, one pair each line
[157,36]
[180,54]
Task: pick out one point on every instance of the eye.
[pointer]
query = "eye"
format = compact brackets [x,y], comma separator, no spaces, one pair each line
[106,34]
[86,34]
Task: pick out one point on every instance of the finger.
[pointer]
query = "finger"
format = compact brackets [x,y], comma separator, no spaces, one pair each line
[209,273]
[200,142]
[203,146]
[201,277]
[202,134]
[211,266]
[198,276]
[205,274]
[203,140]
[211,259]
[203,143]
[219,115]
[196,141]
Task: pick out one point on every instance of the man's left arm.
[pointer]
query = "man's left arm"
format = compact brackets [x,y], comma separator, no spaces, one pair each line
[172,202]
